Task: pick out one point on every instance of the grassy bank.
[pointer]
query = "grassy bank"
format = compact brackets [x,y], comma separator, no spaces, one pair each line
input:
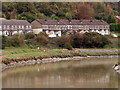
[20,54]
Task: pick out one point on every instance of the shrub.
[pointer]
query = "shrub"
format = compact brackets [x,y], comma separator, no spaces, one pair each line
[68,46]
[114,27]
[4,42]
[97,40]
[17,40]
[80,40]
[89,40]
[29,35]
[42,33]
[64,42]
[42,38]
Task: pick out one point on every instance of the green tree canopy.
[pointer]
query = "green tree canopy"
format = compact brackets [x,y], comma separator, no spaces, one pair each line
[68,15]
[111,19]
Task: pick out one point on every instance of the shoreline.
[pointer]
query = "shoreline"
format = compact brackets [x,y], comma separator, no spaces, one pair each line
[14,64]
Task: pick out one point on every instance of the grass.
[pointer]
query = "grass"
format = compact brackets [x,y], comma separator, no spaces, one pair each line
[19,54]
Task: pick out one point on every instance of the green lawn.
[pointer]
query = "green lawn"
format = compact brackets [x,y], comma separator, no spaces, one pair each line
[15,54]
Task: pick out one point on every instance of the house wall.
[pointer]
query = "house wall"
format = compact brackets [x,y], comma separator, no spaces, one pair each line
[36,31]
[55,30]
[9,30]
[37,27]
[53,33]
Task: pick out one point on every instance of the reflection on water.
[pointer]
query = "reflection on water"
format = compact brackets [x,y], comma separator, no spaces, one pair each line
[87,73]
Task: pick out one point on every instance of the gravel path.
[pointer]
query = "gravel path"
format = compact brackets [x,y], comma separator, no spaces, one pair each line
[91,51]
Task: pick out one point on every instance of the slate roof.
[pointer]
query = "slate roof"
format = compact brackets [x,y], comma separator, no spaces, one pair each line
[71,22]
[15,22]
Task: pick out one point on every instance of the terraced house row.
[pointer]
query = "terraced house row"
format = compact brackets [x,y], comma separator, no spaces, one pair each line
[11,27]
[54,27]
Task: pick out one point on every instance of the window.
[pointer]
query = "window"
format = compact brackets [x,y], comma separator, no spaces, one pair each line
[19,26]
[4,26]
[71,27]
[27,27]
[22,26]
[8,27]
[51,32]
[95,27]
[16,27]
[12,27]
[68,27]
[30,27]
[0,26]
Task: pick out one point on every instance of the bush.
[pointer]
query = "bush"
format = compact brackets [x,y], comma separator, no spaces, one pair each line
[42,33]
[17,40]
[86,40]
[29,35]
[64,42]
[68,46]
[4,42]
[42,38]
[114,27]
[80,40]
[97,40]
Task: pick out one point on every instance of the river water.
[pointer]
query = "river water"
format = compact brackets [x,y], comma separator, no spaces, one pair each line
[85,73]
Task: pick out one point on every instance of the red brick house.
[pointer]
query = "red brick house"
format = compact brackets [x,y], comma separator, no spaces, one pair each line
[117,19]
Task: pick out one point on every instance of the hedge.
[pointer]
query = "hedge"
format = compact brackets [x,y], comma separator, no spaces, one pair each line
[114,27]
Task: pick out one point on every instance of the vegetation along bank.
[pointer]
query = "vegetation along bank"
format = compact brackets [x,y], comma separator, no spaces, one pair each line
[22,49]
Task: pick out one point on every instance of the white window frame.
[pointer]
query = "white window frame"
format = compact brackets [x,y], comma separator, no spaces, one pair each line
[4,26]
[19,26]
[30,27]
[51,32]
[15,26]
[0,26]
[12,26]
[8,26]
[22,26]
[26,26]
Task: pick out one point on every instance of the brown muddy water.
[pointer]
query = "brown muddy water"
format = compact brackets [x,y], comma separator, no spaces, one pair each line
[85,73]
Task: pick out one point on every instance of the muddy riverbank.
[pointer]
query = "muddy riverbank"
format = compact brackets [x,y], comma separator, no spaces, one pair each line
[14,64]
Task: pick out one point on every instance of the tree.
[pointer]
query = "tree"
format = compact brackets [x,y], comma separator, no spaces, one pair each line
[111,19]
[68,15]
[85,11]
[119,7]
[25,7]
[26,16]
